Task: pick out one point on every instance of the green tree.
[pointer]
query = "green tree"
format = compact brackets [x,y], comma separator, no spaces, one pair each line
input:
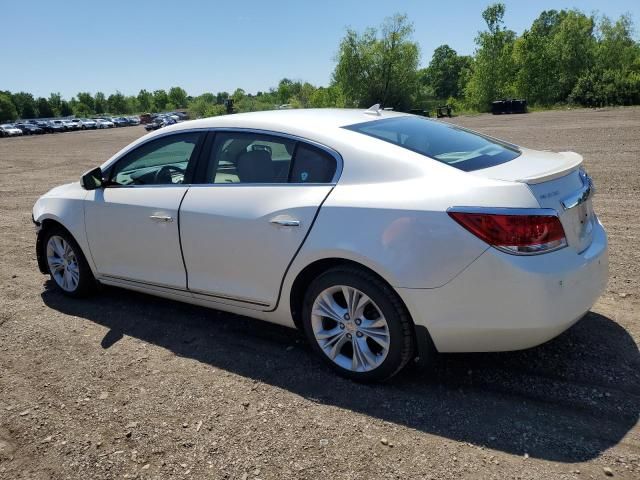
[537,62]
[55,101]
[8,110]
[44,108]
[25,105]
[178,97]
[117,103]
[444,73]
[82,110]
[100,103]
[145,101]
[493,67]
[88,104]
[160,100]
[381,68]
[221,97]
[575,46]
[65,109]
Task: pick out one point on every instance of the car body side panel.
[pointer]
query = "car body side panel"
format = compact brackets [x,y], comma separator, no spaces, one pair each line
[65,205]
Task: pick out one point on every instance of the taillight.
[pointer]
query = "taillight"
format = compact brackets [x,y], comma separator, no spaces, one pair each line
[515,232]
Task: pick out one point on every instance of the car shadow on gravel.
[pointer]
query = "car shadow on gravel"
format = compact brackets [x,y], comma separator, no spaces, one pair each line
[568,400]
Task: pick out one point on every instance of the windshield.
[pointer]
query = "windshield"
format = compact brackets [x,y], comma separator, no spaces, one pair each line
[441,141]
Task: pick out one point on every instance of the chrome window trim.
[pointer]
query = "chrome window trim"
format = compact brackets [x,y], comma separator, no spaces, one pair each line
[113,161]
[336,176]
[337,157]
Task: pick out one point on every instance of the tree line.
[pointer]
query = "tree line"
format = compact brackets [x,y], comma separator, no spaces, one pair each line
[565,57]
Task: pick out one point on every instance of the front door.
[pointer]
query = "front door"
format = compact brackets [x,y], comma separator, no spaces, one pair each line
[132,223]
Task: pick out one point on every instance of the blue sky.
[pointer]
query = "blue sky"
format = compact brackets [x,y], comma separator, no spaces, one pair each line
[71,46]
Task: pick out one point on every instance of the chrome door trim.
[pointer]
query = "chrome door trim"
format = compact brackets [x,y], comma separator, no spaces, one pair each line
[152,285]
[543,212]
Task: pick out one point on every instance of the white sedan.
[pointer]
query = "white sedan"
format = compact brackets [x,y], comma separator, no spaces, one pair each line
[103,123]
[386,237]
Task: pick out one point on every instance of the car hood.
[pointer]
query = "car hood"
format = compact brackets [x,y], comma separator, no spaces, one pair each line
[63,191]
[533,166]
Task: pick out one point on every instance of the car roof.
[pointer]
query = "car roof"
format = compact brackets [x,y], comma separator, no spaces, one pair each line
[303,122]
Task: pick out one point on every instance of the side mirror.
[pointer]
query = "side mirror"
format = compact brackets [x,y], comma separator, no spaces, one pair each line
[92,180]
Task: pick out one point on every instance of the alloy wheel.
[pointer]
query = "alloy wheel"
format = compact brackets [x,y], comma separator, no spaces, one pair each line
[63,263]
[350,328]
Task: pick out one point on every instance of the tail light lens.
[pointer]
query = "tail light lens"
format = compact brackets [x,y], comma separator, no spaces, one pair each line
[515,233]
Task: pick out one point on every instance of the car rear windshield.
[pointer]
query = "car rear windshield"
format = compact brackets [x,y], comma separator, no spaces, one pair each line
[440,141]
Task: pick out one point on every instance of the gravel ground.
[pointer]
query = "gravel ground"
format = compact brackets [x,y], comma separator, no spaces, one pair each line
[124,385]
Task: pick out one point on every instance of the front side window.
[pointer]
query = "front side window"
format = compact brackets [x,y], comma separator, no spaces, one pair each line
[238,157]
[440,141]
[159,162]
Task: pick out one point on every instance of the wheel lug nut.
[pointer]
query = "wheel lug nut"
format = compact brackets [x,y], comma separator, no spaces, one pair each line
[346,316]
[359,334]
[358,321]
[342,326]
[348,335]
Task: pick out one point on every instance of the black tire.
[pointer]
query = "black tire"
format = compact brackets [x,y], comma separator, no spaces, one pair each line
[401,330]
[86,283]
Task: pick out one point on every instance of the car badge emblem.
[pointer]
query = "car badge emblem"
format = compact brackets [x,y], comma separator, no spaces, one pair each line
[304,176]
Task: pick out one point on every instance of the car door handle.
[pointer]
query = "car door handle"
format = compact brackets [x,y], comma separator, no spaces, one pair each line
[281,222]
[161,218]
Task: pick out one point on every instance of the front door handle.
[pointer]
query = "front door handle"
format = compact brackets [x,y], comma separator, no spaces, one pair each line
[281,222]
[161,218]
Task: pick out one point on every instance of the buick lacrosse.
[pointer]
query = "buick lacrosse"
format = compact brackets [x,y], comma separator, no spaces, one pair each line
[385,237]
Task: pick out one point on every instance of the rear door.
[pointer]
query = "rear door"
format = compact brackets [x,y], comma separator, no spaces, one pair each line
[243,224]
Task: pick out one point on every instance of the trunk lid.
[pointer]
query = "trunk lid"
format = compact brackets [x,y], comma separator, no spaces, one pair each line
[557,182]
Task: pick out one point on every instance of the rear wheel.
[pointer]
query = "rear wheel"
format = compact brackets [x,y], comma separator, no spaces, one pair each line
[67,265]
[357,324]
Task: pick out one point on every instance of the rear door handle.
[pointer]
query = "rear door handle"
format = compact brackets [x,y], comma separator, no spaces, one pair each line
[281,222]
[161,218]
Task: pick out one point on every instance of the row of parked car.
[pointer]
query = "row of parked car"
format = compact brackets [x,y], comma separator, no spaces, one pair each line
[36,127]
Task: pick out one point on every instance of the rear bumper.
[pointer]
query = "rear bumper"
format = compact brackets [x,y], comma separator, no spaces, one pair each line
[504,302]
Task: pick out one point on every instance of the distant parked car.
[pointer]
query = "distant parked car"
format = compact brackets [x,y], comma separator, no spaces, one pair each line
[8,130]
[133,120]
[155,124]
[43,124]
[63,126]
[71,125]
[120,121]
[86,123]
[159,122]
[29,128]
[146,118]
[55,126]
[104,123]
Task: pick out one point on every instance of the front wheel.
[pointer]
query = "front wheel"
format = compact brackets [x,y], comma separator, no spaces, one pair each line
[67,265]
[358,324]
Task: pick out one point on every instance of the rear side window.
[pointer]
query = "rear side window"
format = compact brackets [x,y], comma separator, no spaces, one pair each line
[444,142]
[248,157]
[312,165]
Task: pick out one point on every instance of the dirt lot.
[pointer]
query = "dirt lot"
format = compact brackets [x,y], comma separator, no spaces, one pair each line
[123,385]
